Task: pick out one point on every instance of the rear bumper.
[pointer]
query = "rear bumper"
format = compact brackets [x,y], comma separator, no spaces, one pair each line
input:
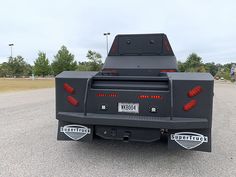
[183,133]
[134,121]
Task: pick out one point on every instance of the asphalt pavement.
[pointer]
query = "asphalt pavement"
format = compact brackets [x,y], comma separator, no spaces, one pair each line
[28,145]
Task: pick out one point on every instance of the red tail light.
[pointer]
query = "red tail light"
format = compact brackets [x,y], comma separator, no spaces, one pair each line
[195,91]
[72,101]
[167,70]
[68,88]
[149,96]
[190,105]
[106,94]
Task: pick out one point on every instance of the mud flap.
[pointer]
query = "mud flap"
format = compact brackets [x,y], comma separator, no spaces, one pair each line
[194,139]
[74,132]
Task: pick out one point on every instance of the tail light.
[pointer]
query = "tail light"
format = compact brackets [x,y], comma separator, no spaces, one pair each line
[191,104]
[167,70]
[72,101]
[106,94]
[68,88]
[195,91]
[149,97]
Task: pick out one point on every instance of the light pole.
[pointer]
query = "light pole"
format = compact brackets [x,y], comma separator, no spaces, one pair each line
[107,34]
[11,48]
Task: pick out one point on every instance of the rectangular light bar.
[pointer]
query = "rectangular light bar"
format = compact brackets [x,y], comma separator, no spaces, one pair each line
[150,97]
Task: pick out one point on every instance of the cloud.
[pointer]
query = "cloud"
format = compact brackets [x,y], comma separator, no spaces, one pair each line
[204,27]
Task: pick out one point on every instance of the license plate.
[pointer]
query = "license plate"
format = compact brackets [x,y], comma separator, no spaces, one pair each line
[128,107]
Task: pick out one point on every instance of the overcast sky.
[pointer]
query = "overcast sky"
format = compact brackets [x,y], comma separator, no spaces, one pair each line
[205,27]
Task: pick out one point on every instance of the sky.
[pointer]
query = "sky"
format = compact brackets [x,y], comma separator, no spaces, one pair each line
[207,28]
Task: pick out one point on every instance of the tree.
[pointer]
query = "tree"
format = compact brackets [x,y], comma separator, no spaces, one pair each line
[17,67]
[63,61]
[223,72]
[28,70]
[4,69]
[211,68]
[83,66]
[41,65]
[194,63]
[181,66]
[95,60]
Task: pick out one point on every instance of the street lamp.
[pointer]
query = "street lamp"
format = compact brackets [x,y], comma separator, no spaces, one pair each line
[107,34]
[11,48]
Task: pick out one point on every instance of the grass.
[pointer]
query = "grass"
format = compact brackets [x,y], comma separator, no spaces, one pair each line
[11,85]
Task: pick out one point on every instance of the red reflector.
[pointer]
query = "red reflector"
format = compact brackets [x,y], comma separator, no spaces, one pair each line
[72,101]
[190,105]
[166,45]
[106,94]
[68,88]
[167,70]
[149,96]
[195,91]
[110,71]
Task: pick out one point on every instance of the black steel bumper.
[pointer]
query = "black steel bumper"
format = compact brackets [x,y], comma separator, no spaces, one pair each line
[134,121]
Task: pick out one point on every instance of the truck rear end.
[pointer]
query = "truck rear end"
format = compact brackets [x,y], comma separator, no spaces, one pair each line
[137,96]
